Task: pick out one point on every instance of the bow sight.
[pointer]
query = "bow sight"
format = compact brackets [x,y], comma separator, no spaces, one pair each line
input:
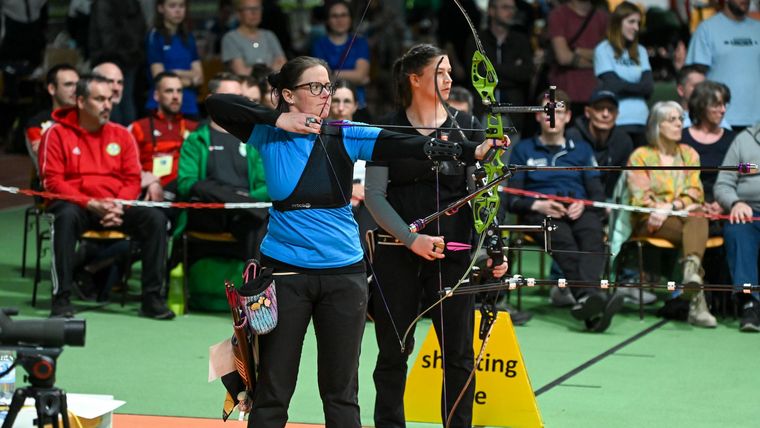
[550,107]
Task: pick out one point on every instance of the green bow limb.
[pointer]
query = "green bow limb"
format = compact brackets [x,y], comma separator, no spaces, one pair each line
[485,206]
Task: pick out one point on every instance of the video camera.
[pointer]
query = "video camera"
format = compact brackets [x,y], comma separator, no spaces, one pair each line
[46,333]
[38,344]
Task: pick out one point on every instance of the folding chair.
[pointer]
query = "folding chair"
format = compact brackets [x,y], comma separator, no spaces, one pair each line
[93,235]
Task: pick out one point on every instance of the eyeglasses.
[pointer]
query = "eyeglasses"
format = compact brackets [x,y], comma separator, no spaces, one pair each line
[673,119]
[316,88]
[339,15]
[251,9]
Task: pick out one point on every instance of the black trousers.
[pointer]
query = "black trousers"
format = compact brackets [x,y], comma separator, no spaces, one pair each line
[583,234]
[146,225]
[403,279]
[248,226]
[337,304]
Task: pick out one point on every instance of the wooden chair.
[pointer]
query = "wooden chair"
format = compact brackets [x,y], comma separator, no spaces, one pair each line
[42,235]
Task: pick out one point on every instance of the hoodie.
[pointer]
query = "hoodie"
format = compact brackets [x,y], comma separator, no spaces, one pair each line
[88,165]
[613,152]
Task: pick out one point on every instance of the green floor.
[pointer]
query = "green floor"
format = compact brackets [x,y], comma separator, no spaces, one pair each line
[674,376]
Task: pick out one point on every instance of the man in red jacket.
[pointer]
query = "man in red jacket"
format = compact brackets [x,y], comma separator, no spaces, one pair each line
[90,160]
[160,136]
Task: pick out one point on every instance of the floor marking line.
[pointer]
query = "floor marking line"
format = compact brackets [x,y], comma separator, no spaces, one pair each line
[599,357]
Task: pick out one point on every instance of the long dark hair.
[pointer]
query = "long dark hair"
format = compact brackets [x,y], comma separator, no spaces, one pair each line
[289,75]
[412,62]
[183,29]
[615,33]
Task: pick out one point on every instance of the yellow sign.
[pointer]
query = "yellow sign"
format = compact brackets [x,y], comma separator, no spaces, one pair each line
[503,394]
[162,164]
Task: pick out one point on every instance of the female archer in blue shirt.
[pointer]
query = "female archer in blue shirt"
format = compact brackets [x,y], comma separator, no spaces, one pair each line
[312,241]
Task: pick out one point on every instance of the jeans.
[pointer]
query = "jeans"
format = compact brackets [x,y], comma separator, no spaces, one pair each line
[742,242]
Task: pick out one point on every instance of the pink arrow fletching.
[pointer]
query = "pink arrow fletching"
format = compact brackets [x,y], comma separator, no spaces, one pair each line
[457,246]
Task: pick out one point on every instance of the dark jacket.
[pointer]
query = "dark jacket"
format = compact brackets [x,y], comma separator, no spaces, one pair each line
[575,184]
[194,158]
[613,152]
[513,65]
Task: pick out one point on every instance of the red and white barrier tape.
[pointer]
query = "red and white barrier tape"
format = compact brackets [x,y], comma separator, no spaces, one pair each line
[610,205]
[246,205]
[181,205]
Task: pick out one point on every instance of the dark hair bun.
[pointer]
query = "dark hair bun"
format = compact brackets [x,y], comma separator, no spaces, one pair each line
[274,79]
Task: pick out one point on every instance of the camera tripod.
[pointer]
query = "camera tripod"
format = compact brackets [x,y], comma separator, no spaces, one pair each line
[49,401]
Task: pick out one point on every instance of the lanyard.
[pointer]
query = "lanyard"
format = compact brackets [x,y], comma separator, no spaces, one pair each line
[153,130]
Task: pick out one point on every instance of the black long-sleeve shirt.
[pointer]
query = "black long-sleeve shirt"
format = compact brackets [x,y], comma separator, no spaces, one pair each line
[513,62]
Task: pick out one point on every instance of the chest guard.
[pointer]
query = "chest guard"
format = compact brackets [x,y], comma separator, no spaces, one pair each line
[327,178]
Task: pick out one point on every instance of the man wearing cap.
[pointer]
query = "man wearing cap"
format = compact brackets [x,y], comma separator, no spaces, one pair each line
[612,146]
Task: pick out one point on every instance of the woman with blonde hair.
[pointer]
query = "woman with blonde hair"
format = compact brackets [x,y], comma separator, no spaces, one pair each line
[622,66]
[672,191]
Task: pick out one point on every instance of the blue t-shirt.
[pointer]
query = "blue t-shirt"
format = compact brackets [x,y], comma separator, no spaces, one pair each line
[177,55]
[316,238]
[632,110]
[566,183]
[333,55]
[732,51]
